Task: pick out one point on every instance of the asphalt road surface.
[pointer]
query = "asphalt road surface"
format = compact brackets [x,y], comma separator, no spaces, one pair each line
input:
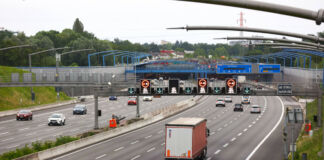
[15,134]
[233,135]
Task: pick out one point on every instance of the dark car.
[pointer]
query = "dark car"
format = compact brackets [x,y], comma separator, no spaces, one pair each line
[238,107]
[113,98]
[80,109]
[24,115]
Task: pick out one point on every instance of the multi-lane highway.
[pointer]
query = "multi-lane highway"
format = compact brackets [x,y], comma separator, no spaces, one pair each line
[15,134]
[233,135]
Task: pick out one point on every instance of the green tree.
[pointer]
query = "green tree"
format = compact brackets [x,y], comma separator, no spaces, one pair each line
[78,26]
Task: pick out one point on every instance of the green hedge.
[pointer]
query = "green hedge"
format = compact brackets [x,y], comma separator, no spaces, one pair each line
[36,147]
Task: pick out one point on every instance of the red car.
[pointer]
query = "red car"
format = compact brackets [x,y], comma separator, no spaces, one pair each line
[132,101]
[24,115]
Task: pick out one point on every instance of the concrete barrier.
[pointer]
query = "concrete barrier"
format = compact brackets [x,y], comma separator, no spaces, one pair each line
[62,149]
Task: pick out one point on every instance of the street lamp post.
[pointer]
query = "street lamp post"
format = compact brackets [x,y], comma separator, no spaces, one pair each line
[30,64]
[269,7]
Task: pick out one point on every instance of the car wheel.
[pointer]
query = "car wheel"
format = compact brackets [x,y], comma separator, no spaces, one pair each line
[49,124]
[17,119]
[64,122]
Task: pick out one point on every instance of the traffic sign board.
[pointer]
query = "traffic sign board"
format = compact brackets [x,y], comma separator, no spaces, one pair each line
[202,83]
[284,89]
[145,83]
[231,83]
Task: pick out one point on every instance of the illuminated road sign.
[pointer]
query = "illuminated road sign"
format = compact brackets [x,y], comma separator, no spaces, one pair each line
[231,86]
[145,86]
[202,86]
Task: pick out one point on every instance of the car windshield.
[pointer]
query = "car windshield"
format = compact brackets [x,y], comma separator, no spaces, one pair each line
[56,116]
[23,111]
[79,107]
[237,105]
[132,99]
[220,99]
[227,97]
[255,106]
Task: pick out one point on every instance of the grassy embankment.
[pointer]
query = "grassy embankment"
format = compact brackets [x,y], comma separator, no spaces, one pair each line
[20,97]
[310,145]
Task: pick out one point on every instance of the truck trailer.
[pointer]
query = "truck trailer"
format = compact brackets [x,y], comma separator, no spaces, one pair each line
[186,138]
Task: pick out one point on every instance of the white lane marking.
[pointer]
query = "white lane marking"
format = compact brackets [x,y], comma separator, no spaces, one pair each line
[73,130]
[120,148]
[239,134]
[225,145]
[250,126]
[136,157]
[268,135]
[23,129]
[77,151]
[135,142]
[151,149]
[257,119]
[217,151]
[7,139]
[4,133]
[41,125]
[148,136]
[245,130]
[212,133]
[160,132]
[13,146]
[253,122]
[29,134]
[101,156]
[219,129]
[231,122]
[209,158]
[233,139]
[225,125]
[162,144]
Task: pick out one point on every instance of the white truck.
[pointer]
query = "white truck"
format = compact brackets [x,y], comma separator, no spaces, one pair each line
[241,79]
[186,138]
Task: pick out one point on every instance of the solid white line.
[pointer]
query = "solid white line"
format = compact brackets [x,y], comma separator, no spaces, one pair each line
[239,134]
[135,142]
[148,136]
[136,157]
[120,148]
[7,139]
[225,125]
[253,122]
[151,149]
[41,125]
[233,139]
[225,145]
[268,135]
[217,151]
[101,156]
[4,133]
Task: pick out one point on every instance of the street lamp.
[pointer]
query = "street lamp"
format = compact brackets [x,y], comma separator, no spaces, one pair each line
[12,47]
[30,64]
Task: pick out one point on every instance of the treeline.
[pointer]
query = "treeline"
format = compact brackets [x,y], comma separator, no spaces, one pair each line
[77,38]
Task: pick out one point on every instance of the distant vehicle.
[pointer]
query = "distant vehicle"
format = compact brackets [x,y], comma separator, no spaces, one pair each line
[220,102]
[259,87]
[147,98]
[255,109]
[173,90]
[181,83]
[161,78]
[246,100]
[24,115]
[132,101]
[56,119]
[238,107]
[113,98]
[80,109]
[228,99]
[182,140]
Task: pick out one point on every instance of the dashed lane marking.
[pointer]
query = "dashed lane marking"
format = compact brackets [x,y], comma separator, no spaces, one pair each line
[225,145]
[239,134]
[152,149]
[4,133]
[245,130]
[135,142]
[217,151]
[7,139]
[101,156]
[148,136]
[136,157]
[120,148]
[233,139]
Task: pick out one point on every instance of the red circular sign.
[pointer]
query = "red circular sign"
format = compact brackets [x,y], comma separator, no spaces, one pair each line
[202,83]
[145,83]
[231,83]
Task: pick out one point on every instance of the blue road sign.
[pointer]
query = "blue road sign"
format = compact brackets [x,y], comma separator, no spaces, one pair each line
[234,68]
[269,68]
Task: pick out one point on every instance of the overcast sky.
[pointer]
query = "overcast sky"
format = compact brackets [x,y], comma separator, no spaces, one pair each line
[146,20]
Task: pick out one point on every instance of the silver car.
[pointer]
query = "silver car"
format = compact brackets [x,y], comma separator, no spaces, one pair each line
[255,109]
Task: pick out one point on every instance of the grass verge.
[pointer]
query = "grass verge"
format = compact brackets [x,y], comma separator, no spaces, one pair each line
[20,97]
[310,145]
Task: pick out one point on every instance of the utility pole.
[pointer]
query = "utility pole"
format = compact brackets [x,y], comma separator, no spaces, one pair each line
[96,126]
